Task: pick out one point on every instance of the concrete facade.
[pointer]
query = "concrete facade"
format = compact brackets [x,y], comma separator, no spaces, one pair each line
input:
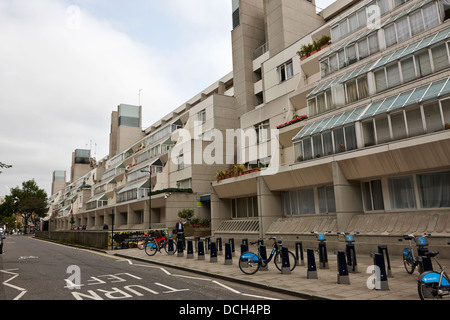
[372,154]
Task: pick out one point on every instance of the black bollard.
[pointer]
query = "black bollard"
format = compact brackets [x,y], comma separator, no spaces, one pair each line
[381,250]
[299,261]
[201,251]
[213,252]
[170,249]
[381,282]
[180,252]
[285,264]
[312,270]
[228,255]
[342,277]
[190,250]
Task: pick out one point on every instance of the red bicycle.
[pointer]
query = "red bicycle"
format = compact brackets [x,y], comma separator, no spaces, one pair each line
[156,244]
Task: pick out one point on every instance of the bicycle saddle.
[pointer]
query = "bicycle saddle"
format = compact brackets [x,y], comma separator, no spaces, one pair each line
[407,237]
[431,254]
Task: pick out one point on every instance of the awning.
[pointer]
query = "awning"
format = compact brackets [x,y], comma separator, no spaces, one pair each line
[137,185]
[101,197]
[426,92]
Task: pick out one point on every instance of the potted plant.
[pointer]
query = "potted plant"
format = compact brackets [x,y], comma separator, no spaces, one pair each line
[220,175]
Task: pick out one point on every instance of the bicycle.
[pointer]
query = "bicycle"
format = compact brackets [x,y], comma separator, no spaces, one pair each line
[433,285]
[143,243]
[250,262]
[155,244]
[410,261]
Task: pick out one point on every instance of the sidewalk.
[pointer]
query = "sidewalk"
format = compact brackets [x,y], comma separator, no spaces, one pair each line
[402,286]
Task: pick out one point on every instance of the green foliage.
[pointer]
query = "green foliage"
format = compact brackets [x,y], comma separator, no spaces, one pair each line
[186,214]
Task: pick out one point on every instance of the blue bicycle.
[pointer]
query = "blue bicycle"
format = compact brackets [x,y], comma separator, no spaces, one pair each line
[433,285]
[410,260]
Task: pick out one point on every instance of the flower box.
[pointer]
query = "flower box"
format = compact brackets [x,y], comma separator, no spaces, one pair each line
[295,120]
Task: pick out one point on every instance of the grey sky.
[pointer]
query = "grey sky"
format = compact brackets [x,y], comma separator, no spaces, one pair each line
[63,71]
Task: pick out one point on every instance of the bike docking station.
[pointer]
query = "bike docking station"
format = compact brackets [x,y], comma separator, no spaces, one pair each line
[311,272]
[228,255]
[190,250]
[263,252]
[323,256]
[170,250]
[382,249]
[200,250]
[213,252]
[342,276]
[381,281]
[350,250]
[180,251]
[285,264]
[299,258]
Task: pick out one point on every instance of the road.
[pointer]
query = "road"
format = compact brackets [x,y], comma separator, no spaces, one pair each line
[32,269]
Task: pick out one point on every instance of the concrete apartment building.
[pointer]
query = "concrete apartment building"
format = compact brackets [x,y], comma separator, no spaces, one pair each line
[351,137]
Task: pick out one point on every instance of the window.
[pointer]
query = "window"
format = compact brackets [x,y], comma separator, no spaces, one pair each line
[398,126]
[433,119]
[414,122]
[363,48]
[440,57]
[286,71]
[393,75]
[263,132]
[202,116]
[181,162]
[244,207]
[306,201]
[327,143]
[430,16]
[317,145]
[352,92]
[423,61]
[350,137]
[339,141]
[351,54]
[185,184]
[402,26]
[416,20]
[326,199]
[382,129]
[408,69]
[434,189]
[389,35]
[372,195]
[368,133]
[373,43]
[401,192]
[380,80]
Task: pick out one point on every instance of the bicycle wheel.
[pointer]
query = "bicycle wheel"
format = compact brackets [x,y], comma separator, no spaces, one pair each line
[408,261]
[279,263]
[165,246]
[428,291]
[151,248]
[249,262]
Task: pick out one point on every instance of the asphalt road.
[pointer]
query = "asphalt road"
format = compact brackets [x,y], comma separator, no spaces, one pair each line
[32,269]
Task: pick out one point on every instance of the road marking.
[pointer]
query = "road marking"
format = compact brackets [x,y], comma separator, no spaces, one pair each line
[6,283]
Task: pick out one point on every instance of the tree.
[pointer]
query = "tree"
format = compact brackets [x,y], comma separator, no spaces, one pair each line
[4,166]
[30,201]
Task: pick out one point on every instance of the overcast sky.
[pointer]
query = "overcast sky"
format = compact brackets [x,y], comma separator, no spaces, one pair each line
[65,65]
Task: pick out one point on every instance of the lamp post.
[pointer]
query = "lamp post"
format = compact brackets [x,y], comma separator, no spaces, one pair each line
[149,196]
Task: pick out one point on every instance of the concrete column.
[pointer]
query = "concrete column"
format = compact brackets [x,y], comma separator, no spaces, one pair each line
[269,206]
[347,195]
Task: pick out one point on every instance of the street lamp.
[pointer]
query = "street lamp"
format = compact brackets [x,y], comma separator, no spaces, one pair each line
[149,197]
